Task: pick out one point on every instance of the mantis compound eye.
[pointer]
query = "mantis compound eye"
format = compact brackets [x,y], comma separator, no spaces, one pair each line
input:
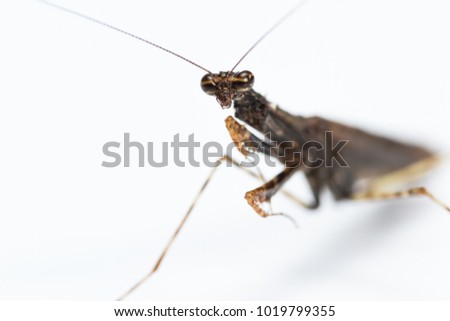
[243,81]
[208,85]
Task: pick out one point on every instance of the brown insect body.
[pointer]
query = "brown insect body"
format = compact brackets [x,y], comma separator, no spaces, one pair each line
[367,156]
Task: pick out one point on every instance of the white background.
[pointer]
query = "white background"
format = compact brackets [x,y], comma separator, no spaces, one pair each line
[72,229]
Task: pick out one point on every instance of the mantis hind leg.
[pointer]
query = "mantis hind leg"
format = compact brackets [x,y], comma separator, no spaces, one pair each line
[415,191]
[388,186]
